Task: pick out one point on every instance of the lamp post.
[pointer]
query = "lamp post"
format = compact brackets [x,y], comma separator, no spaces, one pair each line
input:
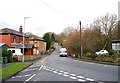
[80,40]
[24,37]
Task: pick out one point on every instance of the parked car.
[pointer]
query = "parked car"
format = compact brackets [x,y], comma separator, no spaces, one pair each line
[63,52]
[102,52]
[15,51]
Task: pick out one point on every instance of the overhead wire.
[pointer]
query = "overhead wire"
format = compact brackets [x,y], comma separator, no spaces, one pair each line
[55,9]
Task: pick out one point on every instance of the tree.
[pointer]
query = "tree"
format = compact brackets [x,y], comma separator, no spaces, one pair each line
[118,30]
[72,43]
[52,38]
[68,30]
[28,34]
[106,24]
[47,40]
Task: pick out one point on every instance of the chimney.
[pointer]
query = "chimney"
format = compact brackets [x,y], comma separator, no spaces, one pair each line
[20,29]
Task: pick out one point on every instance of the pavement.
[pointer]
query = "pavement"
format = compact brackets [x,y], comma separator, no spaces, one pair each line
[60,69]
[33,61]
[99,62]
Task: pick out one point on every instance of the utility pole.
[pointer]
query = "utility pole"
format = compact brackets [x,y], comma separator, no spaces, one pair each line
[119,20]
[119,30]
[80,40]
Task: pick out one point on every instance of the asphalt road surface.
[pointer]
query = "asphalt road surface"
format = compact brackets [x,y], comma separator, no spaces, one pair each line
[56,68]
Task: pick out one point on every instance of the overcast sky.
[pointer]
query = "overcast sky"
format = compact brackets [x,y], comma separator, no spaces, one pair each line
[52,15]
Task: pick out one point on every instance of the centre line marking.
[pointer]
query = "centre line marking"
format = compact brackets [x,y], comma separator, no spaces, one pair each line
[72,74]
[47,69]
[81,80]
[41,67]
[29,78]
[59,73]
[73,78]
[89,79]
[54,71]
[65,75]
[65,72]
[80,77]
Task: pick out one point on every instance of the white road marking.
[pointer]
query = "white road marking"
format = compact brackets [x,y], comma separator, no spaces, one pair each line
[44,68]
[54,71]
[29,69]
[81,80]
[29,78]
[80,77]
[73,77]
[47,69]
[65,75]
[74,60]
[72,74]
[41,67]
[22,76]
[89,79]
[105,65]
[59,73]
[50,70]
[65,72]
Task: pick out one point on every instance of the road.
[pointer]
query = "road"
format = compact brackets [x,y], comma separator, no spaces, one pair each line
[55,68]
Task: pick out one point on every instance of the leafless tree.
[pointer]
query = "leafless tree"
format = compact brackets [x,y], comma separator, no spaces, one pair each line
[107,23]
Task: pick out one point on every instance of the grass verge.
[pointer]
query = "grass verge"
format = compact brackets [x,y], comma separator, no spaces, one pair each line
[12,69]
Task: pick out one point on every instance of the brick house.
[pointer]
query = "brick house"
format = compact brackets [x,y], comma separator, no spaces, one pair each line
[14,39]
[39,44]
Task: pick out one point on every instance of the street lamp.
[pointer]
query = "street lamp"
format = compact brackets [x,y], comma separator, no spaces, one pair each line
[80,40]
[24,36]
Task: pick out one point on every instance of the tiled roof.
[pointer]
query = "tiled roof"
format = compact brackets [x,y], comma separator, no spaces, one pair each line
[35,37]
[21,46]
[10,31]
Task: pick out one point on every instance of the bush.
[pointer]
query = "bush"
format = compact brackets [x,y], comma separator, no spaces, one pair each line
[7,54]
[93,56]
[88,55]
[4,53]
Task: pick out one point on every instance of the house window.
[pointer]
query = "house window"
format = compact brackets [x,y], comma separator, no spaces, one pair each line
[118,46]
[114,46]
[13,51]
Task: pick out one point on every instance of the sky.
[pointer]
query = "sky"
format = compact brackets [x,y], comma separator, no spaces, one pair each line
[52,15]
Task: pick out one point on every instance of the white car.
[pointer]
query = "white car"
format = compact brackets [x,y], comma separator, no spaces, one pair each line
[102,52]
[63,52]
[15,51]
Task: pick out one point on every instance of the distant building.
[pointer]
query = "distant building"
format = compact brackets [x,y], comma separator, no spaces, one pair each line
[14,39]
[39,44]
[116,45]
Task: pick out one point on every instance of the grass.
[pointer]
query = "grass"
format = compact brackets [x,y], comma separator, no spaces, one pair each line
[12,69]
